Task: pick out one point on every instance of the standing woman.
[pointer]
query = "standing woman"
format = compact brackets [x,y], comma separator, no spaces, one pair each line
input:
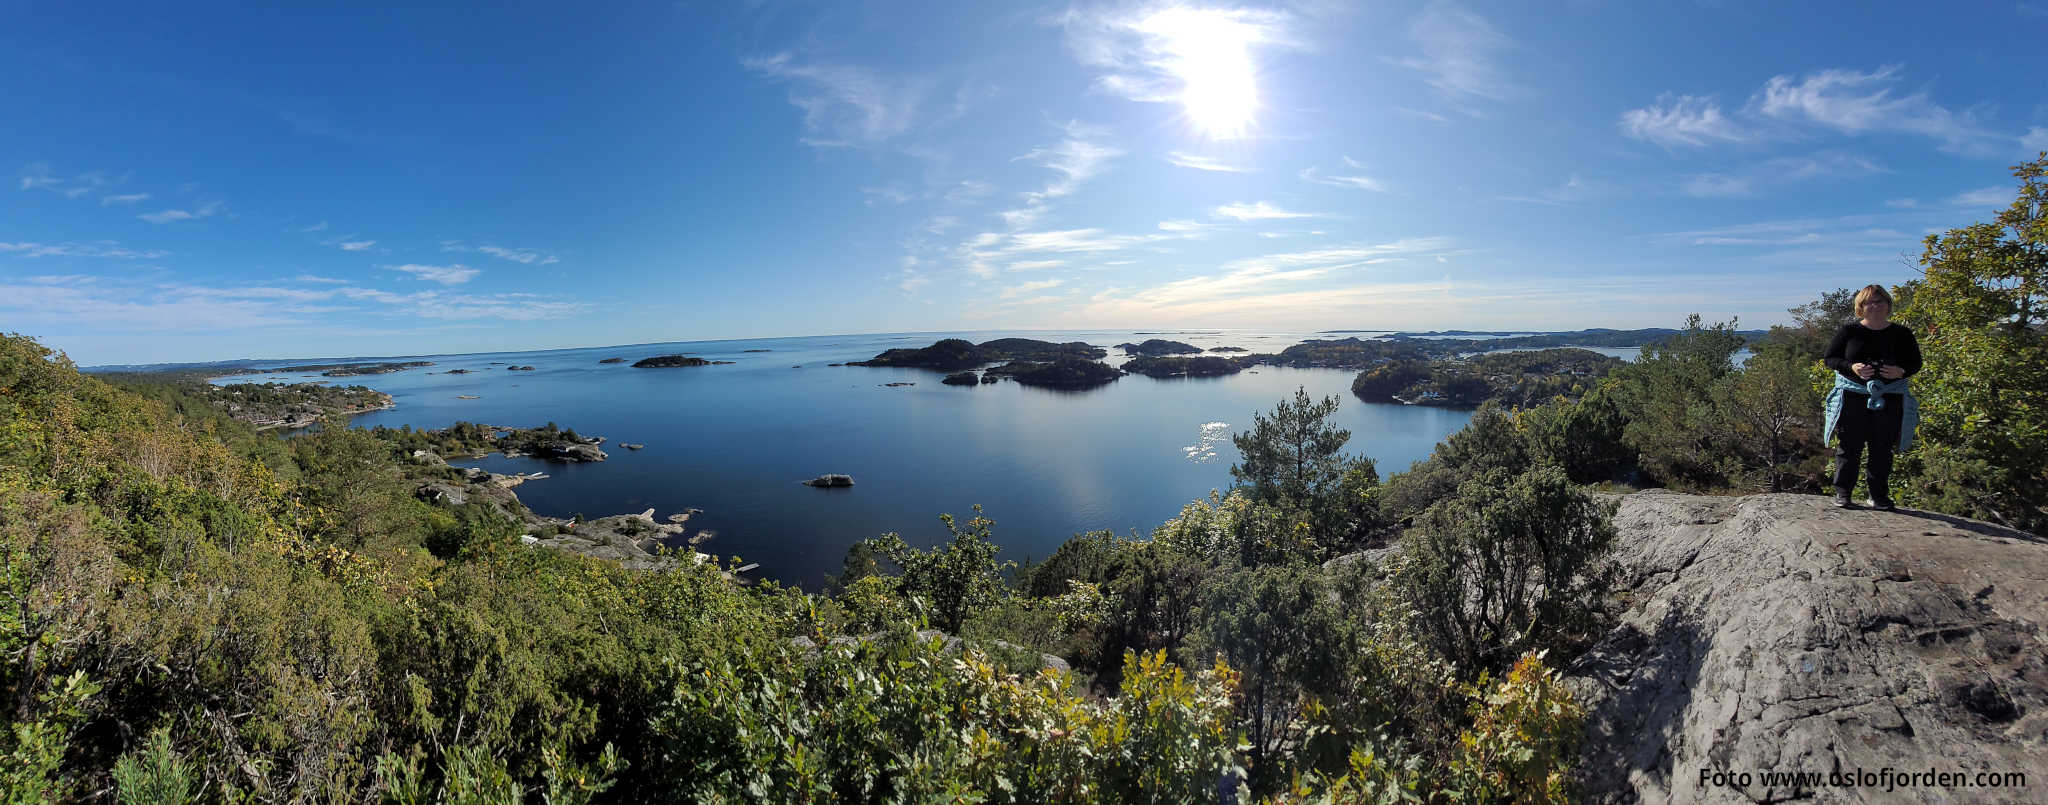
[1870,405]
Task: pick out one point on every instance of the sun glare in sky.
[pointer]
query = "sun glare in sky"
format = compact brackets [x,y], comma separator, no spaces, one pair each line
[1210,52]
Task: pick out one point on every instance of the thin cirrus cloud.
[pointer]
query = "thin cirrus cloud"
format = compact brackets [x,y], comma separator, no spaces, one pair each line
[1682,120]
[1854,102]
[846,105]
[126,198]
[38,176]
[1023,288]
[446,275]
[1259,211]
[1780,171]
[1284,273]
[1460,54]
[356,245]
[1355,182]
[1202,163]
[1983,197]
[106,249]
[206,210]
[1846,101]
[521,256]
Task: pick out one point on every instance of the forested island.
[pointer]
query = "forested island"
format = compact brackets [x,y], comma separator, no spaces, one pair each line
[347,369]
[290,405]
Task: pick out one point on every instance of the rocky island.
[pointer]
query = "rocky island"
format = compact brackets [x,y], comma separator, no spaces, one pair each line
[473,440]
[954,354]
[1160,346]
[666,361]
[1202,366]
[1064,373]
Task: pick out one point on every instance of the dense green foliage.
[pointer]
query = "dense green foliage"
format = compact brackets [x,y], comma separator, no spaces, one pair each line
[472,439]
[197,612]
[1063,373]
[1199,366]
[1982,316]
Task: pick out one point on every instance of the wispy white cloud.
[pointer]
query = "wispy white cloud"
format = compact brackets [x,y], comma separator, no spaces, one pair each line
[846,105]
[1259,211]
[446,275]
[319,227]
[1202,163]
[126,198]
[1460,52]
[1855,102]
[205,210]
[1359,182]
[2035,140]
[356,245]
[319,279]
[1778,171]
[1870,233]
[1036,265]
[1574,190]
[1023,288]
[1717,185]
[1077,158]
[38,176]
[1676,120]
[1185,225]
[1287,274]
[104,248]
[523,256]
[1999,197]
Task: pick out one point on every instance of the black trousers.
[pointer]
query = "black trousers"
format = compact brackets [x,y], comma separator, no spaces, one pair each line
[1858,427]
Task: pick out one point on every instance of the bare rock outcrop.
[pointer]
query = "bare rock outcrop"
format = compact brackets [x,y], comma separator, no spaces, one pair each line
[1776,634]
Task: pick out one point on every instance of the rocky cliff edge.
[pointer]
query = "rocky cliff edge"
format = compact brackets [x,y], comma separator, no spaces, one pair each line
[1776,634]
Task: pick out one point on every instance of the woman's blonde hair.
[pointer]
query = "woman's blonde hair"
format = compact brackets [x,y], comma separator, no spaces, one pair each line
[1872,293]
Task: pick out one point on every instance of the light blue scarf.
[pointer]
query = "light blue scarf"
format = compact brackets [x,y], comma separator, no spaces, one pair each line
[1909,419]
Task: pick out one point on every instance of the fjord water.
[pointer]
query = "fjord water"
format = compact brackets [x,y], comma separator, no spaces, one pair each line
[735,440]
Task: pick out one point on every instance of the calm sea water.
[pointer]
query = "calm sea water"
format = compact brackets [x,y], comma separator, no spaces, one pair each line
[736,440]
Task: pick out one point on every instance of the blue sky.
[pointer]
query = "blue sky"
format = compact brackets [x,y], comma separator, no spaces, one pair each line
[200,181]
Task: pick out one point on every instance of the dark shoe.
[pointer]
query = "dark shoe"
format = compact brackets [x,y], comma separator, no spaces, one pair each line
[1842,501]
[1882,504]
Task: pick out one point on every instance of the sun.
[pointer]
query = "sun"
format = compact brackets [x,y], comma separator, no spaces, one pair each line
[1210,52]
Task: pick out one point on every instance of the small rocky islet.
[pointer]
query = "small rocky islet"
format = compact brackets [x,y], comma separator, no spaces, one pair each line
[667,361]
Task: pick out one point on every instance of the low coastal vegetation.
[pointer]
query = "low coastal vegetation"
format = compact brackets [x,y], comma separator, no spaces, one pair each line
[290,405]
[191,610]
[350,369]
